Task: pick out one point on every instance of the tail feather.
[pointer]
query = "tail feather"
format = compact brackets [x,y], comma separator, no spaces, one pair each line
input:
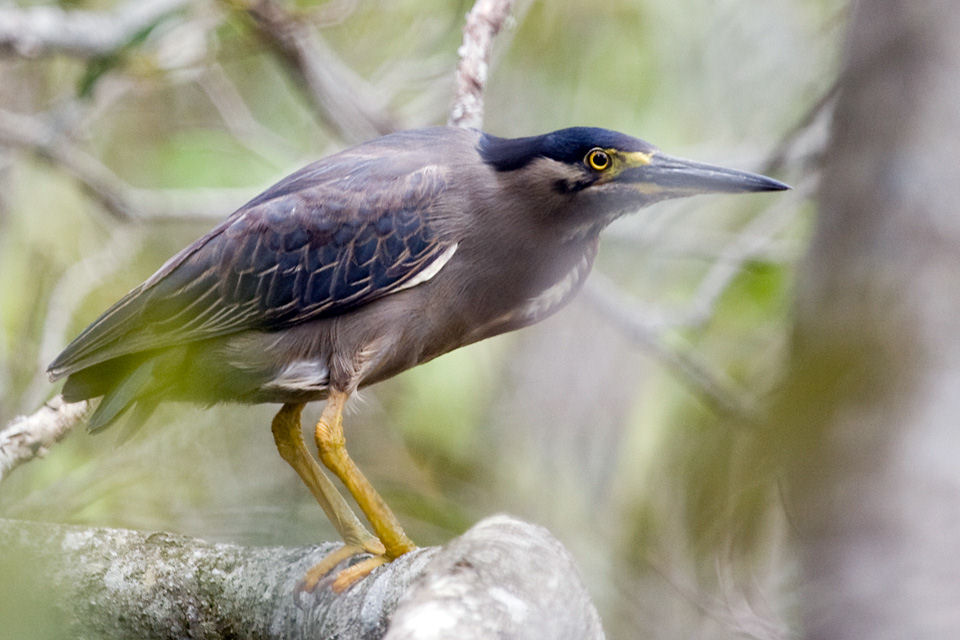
[136,418]
[122,396]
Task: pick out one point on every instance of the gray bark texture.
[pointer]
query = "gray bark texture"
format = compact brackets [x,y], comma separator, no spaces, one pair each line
[871,417]
[28,437]
[503,578]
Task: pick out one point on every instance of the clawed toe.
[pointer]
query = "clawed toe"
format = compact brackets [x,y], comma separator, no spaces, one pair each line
[335,557]
[354,573]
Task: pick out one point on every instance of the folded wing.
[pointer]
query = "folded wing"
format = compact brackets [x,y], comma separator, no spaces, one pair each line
[310,247]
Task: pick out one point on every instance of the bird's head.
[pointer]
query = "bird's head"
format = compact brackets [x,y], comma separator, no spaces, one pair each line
[598,174]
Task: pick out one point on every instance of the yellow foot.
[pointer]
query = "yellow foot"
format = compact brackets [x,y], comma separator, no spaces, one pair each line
[353,574]
[332,559]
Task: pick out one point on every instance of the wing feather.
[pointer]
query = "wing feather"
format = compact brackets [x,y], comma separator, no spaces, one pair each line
[315,245]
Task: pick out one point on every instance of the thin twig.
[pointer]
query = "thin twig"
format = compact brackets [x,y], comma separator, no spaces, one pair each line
[483,23]
[648,328]
[119,199]
[750,242]
[344,101]
[821,110]
[30,133]
[28,437]
[237,117]
[46,30]
[720,393]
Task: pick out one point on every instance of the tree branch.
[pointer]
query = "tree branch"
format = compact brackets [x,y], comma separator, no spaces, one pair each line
[30,133]
[648,329]
[118,198]
[503,578]
[483,23]
[343,100]
[46,30]
[715,389]
[237,116]
[749,242]
[28,437]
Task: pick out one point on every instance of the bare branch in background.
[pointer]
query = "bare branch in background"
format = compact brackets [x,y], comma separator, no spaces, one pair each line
[718,392]
[46,30]
[237,117]
[343,100]
[748,243]
[820,112]
[648,327]
[483,23]
[27,437]
[122,201]
[30,133]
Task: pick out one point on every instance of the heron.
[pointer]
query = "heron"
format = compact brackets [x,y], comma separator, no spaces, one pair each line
[360,266]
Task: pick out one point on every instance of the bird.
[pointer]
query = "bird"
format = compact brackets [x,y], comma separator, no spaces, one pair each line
[360,266]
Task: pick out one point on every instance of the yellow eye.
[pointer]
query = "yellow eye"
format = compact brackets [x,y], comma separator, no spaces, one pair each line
[598,159]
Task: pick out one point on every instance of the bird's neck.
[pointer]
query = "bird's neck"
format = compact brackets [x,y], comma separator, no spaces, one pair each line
[547,289]
[563,289]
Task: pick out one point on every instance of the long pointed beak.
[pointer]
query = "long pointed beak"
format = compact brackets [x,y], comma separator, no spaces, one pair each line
[673,177]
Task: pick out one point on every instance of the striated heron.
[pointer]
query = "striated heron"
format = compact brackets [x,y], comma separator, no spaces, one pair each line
[362,265]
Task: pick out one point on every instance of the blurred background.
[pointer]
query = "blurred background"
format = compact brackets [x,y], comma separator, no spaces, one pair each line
[626,423]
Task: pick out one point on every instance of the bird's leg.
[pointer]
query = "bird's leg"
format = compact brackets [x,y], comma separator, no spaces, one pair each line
[289,439]
[333,453]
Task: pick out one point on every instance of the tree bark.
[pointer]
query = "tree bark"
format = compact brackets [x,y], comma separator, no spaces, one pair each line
[27,437]
[484,22]
[870,417]
[503,578]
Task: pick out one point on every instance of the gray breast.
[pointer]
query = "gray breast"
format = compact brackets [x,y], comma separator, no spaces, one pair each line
[543,304]
[558,294]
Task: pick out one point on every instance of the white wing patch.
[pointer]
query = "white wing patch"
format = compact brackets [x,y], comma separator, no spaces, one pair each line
[432,269]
